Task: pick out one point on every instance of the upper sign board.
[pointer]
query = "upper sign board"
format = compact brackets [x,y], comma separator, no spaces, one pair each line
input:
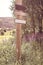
[20,13]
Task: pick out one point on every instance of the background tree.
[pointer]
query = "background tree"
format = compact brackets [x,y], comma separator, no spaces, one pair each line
[35,15]
[35,11]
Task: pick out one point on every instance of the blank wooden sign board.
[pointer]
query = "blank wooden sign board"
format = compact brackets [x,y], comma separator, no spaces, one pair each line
[20,19]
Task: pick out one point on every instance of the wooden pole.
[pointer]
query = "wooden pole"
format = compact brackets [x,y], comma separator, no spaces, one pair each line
[19,12]
[18,40]
[18,2]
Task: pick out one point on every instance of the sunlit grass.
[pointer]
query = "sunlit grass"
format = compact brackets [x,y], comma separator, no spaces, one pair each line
[7,35]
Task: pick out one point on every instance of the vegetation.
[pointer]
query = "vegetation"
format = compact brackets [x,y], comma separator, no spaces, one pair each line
[31,52]
[32,42]
[34,10]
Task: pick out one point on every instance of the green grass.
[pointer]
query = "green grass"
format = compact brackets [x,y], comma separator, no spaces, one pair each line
[7,35]
[30,52]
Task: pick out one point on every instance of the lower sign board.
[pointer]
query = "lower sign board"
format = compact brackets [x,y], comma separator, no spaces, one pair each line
[20,21]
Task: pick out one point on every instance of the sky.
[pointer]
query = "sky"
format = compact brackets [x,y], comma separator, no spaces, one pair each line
[4,8]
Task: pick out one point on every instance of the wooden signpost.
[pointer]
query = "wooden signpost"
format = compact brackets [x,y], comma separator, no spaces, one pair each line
[20,19]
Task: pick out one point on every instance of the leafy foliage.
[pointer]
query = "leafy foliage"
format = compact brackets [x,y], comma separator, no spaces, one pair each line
[35,12]
[34,18]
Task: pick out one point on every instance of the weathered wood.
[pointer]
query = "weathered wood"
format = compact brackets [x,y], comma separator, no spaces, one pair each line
[20,15]
[18,41]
